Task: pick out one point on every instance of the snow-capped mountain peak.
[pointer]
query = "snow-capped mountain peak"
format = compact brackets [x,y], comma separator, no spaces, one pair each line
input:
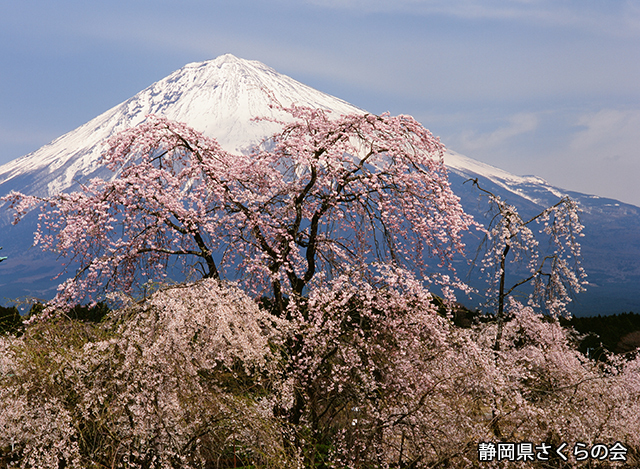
[219,97]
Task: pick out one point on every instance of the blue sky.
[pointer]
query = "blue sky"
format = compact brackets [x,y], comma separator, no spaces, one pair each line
[550,88]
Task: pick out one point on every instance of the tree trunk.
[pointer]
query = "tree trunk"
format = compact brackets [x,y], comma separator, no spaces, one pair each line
[496,345]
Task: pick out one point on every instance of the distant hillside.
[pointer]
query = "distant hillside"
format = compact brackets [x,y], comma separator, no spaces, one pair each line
[618,333]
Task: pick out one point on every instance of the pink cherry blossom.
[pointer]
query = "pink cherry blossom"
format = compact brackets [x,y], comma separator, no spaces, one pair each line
[326,194]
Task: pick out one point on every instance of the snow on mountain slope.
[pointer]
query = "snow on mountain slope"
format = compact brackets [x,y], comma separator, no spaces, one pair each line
[532,188]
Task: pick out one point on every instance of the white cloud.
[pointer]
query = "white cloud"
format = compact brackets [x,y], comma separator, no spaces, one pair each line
[610,133]
[617,18]
[602,157]
[485,142]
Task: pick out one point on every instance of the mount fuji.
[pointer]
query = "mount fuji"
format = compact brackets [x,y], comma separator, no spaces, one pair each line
[219,98]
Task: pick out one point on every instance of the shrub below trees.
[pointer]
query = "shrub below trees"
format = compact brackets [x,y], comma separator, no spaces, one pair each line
[10,320]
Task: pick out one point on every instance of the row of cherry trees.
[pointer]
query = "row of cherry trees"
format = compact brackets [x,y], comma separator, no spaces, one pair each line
[198,376]
[345,229]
